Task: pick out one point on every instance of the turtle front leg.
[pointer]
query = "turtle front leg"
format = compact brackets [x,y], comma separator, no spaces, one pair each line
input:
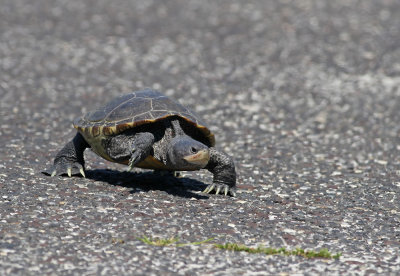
[141,147]
[69,160]
[223,168]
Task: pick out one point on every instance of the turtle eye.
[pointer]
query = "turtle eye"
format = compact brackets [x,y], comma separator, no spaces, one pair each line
[193,150]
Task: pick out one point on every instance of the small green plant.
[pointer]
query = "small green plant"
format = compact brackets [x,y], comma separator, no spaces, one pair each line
[166,242]
[323,253]
[201,242]
[158,242]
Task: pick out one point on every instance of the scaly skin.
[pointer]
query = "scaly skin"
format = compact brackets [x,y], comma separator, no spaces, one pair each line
[70,160]
[223,168]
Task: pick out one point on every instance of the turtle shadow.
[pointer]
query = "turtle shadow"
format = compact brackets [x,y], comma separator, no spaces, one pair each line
[149,181]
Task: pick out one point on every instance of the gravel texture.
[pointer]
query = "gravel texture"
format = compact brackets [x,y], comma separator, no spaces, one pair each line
[303,94]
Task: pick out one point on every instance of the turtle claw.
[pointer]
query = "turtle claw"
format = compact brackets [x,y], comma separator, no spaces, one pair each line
[223,188]
[133,160]
[226,190]
[65,166]
[130,167]
[209,188]
[82,171]
[137,156]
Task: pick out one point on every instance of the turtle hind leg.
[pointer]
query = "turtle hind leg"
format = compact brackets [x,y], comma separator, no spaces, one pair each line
[69,160]
[223,168]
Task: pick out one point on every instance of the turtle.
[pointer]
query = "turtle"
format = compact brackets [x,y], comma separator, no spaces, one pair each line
[148,130]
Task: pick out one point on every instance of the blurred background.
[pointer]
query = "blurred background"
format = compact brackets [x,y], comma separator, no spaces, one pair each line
[303,94]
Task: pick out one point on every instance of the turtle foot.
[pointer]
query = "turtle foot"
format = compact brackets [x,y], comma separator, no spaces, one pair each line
[64,166]
[223,188]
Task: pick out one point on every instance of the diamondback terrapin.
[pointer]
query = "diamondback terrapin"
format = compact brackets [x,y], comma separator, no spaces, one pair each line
[148,130]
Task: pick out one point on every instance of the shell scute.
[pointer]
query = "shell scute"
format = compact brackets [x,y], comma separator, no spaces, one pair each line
[109,130]
[123,127]
[116,102]
[95,116]
[166,104]
[129,109]
[95,131]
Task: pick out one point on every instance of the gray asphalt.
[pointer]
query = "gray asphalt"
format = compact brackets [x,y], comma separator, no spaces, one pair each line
[303,94]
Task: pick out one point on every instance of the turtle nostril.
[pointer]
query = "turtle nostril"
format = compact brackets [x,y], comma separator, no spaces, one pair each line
[193,150]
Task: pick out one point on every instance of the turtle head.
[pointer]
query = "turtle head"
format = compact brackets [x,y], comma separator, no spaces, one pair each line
[186,153]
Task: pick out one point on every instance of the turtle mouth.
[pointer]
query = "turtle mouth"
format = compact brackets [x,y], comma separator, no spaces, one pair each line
[200,158]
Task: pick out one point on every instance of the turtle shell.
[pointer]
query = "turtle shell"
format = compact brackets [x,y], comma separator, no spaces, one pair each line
[132,110]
